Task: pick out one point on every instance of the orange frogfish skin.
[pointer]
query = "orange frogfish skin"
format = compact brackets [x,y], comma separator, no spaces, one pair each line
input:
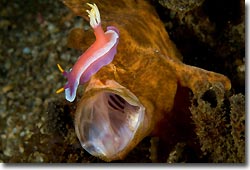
[141,89]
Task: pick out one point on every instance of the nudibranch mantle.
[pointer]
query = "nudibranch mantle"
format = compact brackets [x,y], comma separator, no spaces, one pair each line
[99,54]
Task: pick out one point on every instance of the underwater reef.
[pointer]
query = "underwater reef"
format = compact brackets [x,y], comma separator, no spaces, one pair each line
[38,125]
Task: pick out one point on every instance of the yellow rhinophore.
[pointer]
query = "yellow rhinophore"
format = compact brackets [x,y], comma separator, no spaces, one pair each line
[61,89]
[60,68]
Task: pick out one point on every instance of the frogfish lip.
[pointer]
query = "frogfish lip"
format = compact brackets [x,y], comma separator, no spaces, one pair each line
[107,120]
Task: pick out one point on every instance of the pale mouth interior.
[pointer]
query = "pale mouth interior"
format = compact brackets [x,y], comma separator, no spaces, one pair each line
[107,123]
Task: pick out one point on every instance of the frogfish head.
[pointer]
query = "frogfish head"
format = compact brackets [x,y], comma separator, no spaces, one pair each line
[109,120]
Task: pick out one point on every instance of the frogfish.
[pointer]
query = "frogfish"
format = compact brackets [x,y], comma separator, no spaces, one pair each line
[130,75]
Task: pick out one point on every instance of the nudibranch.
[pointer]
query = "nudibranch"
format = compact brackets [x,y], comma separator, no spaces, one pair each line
[99,54]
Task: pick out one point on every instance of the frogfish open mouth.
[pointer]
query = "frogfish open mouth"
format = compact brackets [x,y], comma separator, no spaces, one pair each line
[107,119]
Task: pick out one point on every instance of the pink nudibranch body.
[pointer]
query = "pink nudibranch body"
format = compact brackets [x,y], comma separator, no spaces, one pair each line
[99,54]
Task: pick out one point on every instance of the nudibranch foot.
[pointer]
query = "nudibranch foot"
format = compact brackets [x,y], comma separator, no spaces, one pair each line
[99,54]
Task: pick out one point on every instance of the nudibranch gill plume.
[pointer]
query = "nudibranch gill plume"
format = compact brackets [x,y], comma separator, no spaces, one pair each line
[99,54]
